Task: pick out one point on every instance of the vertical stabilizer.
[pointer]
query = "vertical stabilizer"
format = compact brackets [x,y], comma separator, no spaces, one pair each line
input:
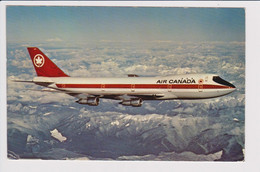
[43,65]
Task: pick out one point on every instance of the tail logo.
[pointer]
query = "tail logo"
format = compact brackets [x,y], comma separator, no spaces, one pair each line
[38,60]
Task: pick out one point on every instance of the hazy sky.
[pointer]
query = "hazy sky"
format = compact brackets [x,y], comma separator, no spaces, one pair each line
[72,24]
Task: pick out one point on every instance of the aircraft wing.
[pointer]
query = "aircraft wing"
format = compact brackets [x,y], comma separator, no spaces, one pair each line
[133,99]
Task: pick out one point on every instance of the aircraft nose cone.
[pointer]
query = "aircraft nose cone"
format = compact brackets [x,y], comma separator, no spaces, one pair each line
[223,82]
[232,86]
[232,89]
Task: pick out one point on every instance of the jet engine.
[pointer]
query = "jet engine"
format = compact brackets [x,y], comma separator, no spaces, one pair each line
[91,101]
[133,102]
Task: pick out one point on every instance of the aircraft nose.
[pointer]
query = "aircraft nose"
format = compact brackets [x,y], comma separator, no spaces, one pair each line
[232,86]
[233,89]
[221,81]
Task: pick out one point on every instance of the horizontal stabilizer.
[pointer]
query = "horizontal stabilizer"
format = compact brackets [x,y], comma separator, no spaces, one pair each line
[47,90]
[23,81]
[56,91]
[42,83]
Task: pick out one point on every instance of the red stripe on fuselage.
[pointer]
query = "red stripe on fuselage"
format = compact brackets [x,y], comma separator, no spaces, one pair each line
[143,86]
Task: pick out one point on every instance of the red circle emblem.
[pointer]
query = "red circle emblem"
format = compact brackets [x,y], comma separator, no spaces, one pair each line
[38,60]
[201,81]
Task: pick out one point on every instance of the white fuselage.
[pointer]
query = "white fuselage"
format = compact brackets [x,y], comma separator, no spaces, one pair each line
[190,86]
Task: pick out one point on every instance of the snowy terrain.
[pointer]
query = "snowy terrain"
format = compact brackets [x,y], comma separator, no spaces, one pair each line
[43,125]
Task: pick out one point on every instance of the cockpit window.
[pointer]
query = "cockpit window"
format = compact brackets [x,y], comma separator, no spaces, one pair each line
[221,81]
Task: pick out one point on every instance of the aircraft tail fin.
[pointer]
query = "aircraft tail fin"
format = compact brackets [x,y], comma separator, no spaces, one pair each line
[43,65]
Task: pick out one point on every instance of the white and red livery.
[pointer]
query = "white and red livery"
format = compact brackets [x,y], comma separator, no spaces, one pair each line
[131,90]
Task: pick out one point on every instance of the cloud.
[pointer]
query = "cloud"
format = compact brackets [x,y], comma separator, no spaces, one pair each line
[149,107]
[15,107]
[21,64]
[44,97]
[171,124]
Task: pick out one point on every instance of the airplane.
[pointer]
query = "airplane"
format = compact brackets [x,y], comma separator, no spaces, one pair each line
[131,90]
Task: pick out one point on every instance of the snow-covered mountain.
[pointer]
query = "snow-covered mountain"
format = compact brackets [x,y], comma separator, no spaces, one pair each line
[52,126]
